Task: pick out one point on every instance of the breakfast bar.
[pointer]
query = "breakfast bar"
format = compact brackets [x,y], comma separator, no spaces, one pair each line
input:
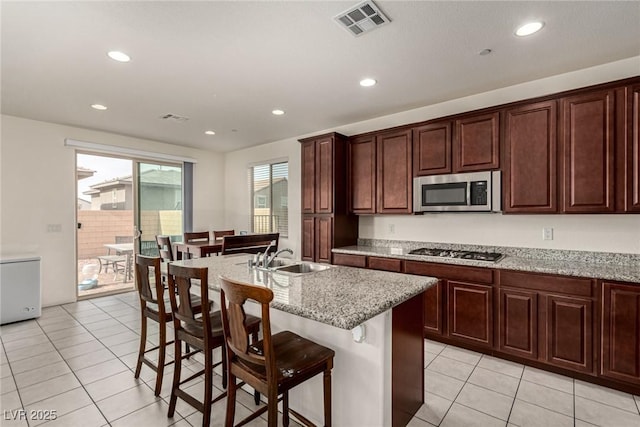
[373,320]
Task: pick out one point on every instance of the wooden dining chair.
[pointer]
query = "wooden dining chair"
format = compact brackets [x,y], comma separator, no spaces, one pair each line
[218,234]
[154,305]
[272,366]
[164,248]
[250,243]
[202,331]
[197,236]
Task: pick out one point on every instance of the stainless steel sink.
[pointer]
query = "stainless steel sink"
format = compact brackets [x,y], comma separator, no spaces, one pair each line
[302,268]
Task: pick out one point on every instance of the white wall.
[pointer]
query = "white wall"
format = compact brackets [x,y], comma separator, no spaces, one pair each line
[38,188]
[609,233]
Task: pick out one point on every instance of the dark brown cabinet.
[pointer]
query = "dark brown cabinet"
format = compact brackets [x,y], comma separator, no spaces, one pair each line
[620,348]
[630,156]
[469,286]
[518,323]
[380,173]
[477,143]
[394,179]
[588,138]
[547,318]
[325,222]
[470,312]
[530,169]
[362,175]
[432,149]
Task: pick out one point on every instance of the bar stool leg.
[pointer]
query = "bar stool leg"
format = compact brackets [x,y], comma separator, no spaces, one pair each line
[272,412]
[143,342]
[176,376]
[162,349]
[208,385]
[231,401]
[285,409]
[327,398]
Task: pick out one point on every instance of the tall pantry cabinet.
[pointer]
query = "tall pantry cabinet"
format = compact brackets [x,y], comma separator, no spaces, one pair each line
[325,222]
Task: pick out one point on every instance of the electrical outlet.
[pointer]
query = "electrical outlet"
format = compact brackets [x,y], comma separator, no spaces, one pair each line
[54,228]
[547,233]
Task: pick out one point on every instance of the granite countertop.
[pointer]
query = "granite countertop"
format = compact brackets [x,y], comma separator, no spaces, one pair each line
[588,265]
[343,297]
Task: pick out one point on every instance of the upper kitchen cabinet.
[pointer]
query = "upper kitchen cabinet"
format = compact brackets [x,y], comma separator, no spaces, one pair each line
[380,176]
[432,149]
[362,175]
[476,145]
[394,178]
[587,131]
[630,157]
[530,157]
[323,166]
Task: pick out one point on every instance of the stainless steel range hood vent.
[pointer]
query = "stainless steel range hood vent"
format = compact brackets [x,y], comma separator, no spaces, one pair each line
[362,18]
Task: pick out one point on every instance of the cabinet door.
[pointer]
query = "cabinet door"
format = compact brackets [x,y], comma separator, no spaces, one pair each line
[518,322]
[621,331]
[362,175]
[308,176]
[470,313]
[632,151]
[569,332]
[477,143]
[394,178]
[433,309]
[530,155]
[588,152]
[308,238]
[324,175]
[432,149]
[324,239]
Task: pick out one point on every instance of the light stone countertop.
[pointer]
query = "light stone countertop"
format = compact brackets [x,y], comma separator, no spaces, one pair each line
[590,267]
[344,297]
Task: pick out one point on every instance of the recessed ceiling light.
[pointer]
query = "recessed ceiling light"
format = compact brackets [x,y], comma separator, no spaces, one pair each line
[529,28]
[367,82]
[209,132]
[277,112]
[98,107]
[119,56]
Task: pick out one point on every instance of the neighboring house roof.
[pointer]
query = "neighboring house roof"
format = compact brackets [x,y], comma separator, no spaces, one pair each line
[159,177]
[82,172]
[264,183]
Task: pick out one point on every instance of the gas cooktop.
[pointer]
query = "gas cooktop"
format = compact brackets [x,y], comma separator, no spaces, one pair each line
[447,253]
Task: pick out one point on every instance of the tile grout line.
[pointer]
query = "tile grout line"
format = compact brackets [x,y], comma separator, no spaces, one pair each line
[17,390]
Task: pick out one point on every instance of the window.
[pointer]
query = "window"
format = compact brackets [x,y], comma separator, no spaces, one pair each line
[270,187]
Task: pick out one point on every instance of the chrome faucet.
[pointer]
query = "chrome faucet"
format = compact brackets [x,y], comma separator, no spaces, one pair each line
[267,261]
[265,257]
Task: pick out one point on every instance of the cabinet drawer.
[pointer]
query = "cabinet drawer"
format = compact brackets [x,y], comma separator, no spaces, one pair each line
[544,282]
[387,264]
[450,272]
[350,260]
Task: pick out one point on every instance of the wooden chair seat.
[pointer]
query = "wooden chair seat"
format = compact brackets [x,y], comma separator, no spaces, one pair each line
[296,358]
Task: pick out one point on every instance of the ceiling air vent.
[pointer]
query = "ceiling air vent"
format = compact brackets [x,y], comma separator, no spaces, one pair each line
[362,18]
[174,117]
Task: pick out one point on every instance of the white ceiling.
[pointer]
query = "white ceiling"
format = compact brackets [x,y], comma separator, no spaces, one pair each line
[226,65]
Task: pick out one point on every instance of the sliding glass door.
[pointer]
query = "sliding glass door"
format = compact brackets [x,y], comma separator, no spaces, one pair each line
[158,204]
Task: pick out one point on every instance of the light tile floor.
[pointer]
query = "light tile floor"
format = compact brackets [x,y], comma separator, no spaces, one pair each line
[78,360]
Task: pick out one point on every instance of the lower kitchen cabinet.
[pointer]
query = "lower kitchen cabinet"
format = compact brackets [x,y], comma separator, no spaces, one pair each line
[620,348]
[518,322]
[547,318]
[470,312]
[433,318]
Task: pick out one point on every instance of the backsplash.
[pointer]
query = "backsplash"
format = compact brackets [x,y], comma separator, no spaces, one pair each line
[532,253]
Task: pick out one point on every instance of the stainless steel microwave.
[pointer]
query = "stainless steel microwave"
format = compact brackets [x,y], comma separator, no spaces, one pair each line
[461,192]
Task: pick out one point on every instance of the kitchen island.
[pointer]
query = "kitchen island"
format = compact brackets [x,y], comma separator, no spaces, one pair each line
[376,382]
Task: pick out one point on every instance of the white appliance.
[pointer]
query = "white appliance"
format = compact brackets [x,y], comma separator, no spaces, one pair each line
[19,288]
[462,192]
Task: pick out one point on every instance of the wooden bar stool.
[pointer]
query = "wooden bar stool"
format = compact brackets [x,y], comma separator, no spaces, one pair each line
[200,331]
[272,366]
[153,305]
[164,248]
